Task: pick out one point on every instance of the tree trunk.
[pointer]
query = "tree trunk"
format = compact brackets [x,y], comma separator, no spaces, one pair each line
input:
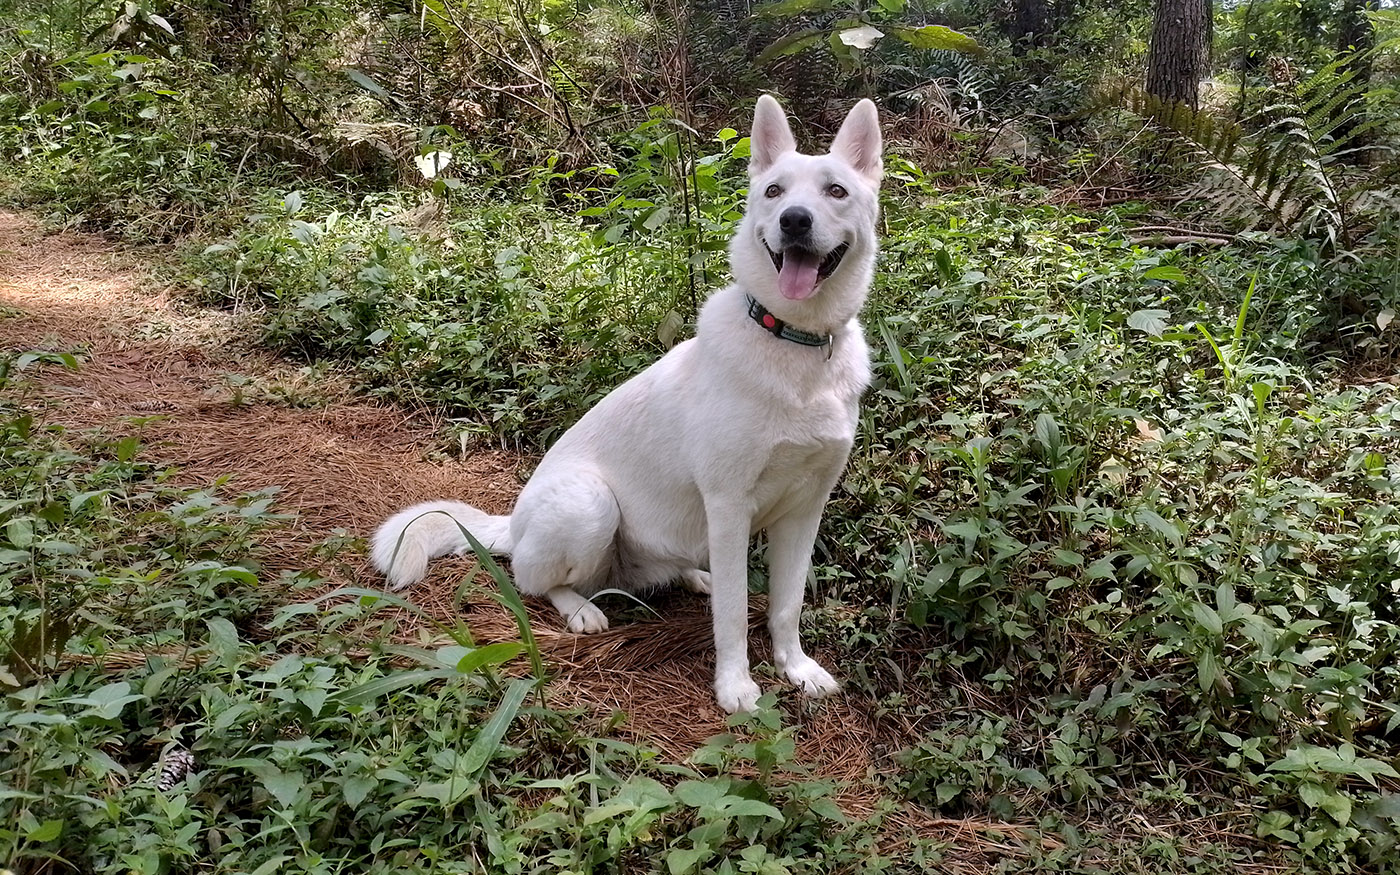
[1180,50]
[1354,30]
[1029,25]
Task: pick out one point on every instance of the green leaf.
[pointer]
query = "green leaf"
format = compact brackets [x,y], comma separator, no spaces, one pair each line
[491,654]
[371,690]
[700,793]
[1166,273]
[126,448]
[788,45]
[1386,805]
[107,702]
[789,8]
[825,807]
[682,860]
[46,831]
[284,786]
[657,218]
[1342,760]
[53,547]
[357,788]
[1151,321]
[313,700]
[80,501]
[488,740]
[272,866]
[608,811]
[750,808]
[1208,670]
[1156,523]
[20,532]
[936,36]
[1311,794]
[223,638]
[367,84]
[1276,823]
[1047,431]
[1033,778]
[1339,806]
[1206,617]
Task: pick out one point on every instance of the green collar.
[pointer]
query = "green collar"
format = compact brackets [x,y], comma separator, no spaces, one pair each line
[778,328]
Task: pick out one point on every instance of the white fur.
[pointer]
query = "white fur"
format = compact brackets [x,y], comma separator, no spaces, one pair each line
[669,477]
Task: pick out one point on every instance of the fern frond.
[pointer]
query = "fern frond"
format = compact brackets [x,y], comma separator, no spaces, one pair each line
[1288,158]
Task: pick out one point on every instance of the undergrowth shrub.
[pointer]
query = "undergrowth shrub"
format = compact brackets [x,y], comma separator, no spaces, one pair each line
[1125,483]
[513,316]
[121,143]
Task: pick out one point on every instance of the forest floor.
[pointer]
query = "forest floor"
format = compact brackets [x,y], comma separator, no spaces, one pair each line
[207,400]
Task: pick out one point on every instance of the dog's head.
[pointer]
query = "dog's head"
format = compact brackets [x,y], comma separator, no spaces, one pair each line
[806,248]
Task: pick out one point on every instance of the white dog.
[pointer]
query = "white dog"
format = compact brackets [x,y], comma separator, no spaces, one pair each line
[744,428]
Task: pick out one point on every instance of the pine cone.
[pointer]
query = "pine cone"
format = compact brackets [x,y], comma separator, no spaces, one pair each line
[174,768]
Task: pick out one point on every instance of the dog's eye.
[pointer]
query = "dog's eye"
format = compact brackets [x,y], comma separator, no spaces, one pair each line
[836,191]
[773,191]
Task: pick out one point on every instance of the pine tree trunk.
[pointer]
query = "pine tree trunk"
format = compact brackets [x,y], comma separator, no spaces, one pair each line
[1180,50]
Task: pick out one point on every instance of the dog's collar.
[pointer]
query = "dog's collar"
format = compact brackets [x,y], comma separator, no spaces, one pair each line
[778,328]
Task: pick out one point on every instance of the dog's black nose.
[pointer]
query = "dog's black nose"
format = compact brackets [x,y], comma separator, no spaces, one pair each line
[795,221]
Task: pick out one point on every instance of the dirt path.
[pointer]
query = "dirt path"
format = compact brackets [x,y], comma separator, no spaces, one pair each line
[204,398]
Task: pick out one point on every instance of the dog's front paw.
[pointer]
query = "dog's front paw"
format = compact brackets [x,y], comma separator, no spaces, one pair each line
[809,677]
[588,618]
[737,694]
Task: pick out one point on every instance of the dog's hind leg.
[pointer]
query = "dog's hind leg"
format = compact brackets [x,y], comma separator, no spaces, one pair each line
[696,580]
[565,536]
[581,615]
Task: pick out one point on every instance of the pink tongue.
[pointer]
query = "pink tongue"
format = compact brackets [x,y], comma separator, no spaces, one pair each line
[798,278]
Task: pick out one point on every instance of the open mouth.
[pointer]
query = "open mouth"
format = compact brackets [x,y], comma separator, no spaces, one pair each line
[800,270]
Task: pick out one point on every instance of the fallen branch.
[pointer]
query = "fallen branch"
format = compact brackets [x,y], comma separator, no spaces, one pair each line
[1172,229]
[1179,239]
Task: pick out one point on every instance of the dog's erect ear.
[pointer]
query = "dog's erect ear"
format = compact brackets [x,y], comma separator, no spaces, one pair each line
[858,141]
[772,138]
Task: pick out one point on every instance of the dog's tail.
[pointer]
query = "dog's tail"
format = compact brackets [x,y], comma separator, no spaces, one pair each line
[408,539]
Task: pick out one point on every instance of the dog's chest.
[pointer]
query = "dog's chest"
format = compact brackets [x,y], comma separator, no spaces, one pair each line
[805,450]
[796,478]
